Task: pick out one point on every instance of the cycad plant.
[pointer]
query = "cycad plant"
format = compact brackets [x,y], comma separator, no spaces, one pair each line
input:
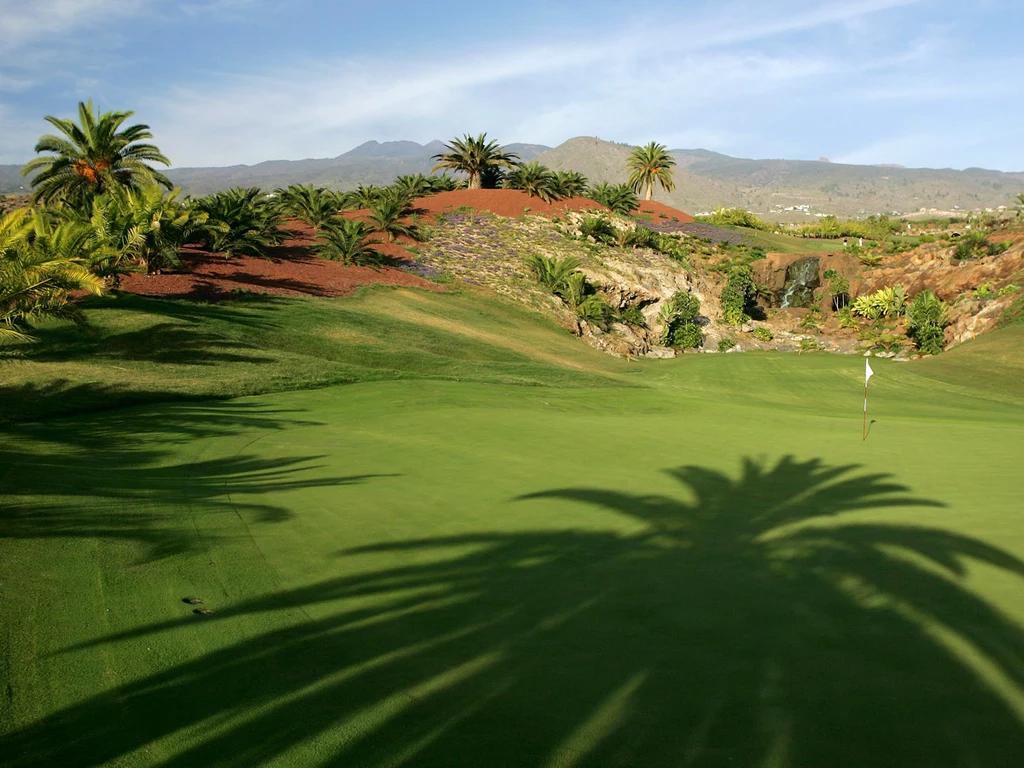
[415,185]
[648,165]
[387,214]
[144,228]
[598,228]
[474,155]
[36,277]
[244,222]
[348,241]
[620,198]
[551,272]
[92,157]
[534,179]
[313,205]
[570,184]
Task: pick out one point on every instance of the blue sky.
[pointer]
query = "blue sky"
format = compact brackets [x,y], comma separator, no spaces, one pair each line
[923,83]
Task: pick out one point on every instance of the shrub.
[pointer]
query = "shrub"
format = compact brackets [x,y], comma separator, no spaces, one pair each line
[762,334]
[846,318]
[681,315]
[595,310]
[620,198]
[890,301]
[551,272]
[839,288]
[597,227]
[632,315]
[735,217]
[242,221]
[739,292]
[724,345]
[347,241]
[927,316]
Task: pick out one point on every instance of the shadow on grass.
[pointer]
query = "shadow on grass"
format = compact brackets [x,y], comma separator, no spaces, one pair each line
[745,623]
[179,332]
[114,476]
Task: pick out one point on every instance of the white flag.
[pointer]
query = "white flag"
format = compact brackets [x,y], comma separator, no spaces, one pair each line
[868,373]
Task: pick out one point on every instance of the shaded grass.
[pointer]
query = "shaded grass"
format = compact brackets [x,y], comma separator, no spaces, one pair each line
[443,573]
[137,349]
[631,563]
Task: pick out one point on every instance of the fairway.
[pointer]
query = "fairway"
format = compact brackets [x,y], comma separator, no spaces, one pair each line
[706,567]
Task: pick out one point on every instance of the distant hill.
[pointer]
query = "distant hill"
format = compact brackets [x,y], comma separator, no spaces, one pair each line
[704,179]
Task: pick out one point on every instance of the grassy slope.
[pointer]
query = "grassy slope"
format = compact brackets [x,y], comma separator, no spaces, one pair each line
[779,243]
[386,595]
[141,350]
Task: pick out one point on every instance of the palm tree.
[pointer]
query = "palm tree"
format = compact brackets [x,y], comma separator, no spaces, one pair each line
[39,268]
[387,212]
[1020,206]
[649,164]
[93,157]
[473,156]
[346,240]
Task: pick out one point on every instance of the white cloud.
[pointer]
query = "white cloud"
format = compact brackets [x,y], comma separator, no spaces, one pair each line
[609,84]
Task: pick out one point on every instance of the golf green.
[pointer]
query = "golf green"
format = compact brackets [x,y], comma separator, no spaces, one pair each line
[708,568]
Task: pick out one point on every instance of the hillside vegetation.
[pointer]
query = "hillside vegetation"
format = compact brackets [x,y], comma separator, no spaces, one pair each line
[704,180]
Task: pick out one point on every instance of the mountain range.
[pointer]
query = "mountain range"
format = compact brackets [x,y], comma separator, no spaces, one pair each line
[777,189]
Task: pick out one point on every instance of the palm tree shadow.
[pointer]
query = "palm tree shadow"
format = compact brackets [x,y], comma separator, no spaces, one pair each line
[749,623]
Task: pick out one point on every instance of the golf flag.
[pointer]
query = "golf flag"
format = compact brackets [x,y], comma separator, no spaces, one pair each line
[868,373]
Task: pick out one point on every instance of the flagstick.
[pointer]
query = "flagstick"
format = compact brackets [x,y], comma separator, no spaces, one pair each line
[865,430]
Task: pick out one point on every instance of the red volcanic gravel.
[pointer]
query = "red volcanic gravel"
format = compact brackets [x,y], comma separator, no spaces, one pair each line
[290,270]
[655,209]
[511,203]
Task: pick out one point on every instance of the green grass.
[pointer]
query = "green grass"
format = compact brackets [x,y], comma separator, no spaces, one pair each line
[780,243]
[138,350]
[696,561]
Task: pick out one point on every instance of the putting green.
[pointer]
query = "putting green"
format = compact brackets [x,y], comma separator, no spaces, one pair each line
[709,569]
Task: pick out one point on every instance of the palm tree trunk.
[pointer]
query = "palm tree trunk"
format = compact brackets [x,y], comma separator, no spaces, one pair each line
[650,190]
[474,181]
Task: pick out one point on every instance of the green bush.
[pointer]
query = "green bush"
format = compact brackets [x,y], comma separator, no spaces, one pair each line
[762,334]
[632,315]
[927,316]
[595,310]
[597,227]
[724,345]
[890,301]
[735,217]
[681,315]
[739,292]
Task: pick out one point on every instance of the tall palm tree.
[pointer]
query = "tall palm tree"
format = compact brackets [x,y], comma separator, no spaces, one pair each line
[93,157]
[649,164]
[473,156]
